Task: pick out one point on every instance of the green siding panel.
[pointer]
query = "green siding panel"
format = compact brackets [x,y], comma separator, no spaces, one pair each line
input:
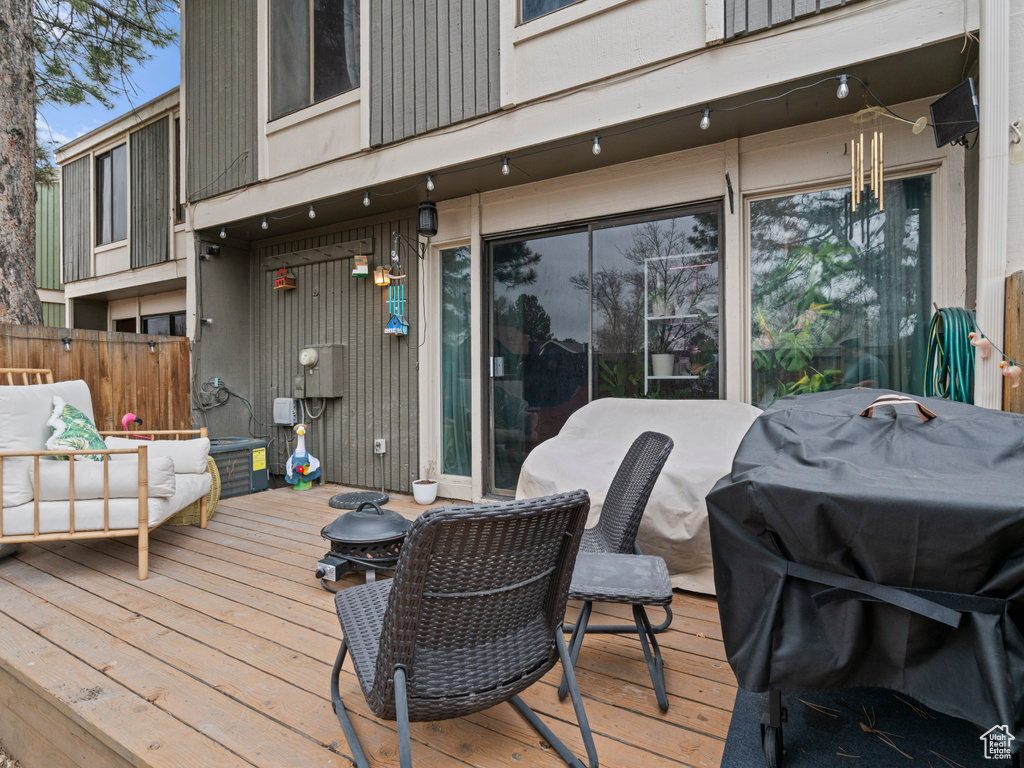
[76,207]
[432,63]
[151,194]
[48,237]
[221,119]
[330,306]
[53,315]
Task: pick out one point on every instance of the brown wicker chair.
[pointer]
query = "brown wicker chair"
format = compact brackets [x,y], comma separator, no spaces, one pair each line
[472,618]
[627,579]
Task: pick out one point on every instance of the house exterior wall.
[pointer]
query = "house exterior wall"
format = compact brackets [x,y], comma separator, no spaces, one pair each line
[76,203]
[330,306]
[150,184]
[48,237]
[53,314]
[220,101]
[432,64]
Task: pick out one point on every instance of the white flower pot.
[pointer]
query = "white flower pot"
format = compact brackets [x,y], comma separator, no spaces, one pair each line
[661,364]
[424,491]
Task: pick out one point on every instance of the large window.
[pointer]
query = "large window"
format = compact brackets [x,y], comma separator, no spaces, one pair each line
[531,9]
[171,324]
[624,308]
[112,195]
[314,52]
[840,298]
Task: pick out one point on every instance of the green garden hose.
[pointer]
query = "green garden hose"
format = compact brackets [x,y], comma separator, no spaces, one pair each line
[949,371]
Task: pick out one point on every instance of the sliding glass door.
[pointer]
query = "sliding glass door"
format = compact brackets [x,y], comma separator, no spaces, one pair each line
[580,313]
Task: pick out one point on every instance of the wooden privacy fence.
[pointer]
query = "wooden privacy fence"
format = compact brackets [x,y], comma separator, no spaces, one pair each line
[147,375]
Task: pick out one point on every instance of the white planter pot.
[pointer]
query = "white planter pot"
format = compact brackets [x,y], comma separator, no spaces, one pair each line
[424,491]
[661,364]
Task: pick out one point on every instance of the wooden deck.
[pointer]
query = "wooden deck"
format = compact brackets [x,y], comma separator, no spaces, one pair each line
[223,658]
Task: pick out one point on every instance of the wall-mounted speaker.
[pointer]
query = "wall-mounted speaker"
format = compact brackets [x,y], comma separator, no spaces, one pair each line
[956,113]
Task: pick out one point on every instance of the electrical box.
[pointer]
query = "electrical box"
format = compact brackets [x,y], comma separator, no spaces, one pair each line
[286,411]
[299,386]
[326,376]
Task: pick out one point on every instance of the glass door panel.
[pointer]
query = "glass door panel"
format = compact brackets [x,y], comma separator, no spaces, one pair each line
[540,337]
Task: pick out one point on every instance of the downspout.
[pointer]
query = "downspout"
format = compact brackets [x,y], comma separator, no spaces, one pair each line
[993,192]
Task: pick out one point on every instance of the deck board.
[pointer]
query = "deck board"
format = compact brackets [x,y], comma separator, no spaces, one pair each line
[223,657]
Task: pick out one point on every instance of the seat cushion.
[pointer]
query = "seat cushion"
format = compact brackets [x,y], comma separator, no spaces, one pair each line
[189,456]
[614,578]
[124,479]
[24,411]
[73,431]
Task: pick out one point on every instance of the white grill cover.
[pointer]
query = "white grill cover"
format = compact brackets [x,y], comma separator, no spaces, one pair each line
[588,450]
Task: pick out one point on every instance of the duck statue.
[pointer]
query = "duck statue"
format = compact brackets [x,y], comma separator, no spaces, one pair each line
[301,469]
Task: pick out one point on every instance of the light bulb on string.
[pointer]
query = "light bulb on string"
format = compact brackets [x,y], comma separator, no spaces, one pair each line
[705,122]
[430,183]
[366,198]
[312,211]
[504,166]
[223,233]
[264,224]
[844,89]
[597,145]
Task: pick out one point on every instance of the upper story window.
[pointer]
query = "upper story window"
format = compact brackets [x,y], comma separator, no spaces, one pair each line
[531,9]
[314,52]
[112,195]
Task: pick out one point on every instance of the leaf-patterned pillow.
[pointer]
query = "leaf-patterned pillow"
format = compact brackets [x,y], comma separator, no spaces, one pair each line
[72,431]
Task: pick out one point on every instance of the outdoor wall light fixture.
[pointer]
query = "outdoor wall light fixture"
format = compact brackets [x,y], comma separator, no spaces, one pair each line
[381,277]
[366,198]
[705,122]
[264,224]
[223,233]
[504,166]
[66,341]
[152,346]
[844,89]
[426,219]
[206,321]
[430,183]
[312,211]
[213,250]
[596,149]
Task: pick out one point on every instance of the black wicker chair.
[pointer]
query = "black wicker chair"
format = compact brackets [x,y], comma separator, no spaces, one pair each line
[632,581]
[472,618]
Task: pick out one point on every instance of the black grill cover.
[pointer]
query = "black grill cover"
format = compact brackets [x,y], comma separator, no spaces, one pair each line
[826,511]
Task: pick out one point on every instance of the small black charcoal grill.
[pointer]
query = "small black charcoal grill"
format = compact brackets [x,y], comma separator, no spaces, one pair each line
[367,539]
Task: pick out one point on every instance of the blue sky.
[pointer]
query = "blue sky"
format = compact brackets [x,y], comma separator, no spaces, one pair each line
[158,75]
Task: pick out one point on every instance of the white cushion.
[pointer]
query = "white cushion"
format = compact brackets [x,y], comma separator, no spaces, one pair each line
[54,516]
[24,411]
[189,456]
[124,479]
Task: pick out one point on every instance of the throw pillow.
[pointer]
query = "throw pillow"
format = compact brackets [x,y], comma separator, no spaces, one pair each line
[72,431]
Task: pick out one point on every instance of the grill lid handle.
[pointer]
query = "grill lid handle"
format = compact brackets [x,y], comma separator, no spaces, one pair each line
[895,400]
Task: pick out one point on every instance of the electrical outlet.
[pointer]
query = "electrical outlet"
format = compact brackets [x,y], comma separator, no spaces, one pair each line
[380,445]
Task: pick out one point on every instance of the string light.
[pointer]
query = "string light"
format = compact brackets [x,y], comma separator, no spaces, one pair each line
[430,183]
[597,145]
[844,89]
[705,122]
[312,211]
[264,224]
[504,166]
[223,233]
[366,198]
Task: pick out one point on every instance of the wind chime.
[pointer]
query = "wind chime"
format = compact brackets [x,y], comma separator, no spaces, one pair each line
[398,325]
[876,178]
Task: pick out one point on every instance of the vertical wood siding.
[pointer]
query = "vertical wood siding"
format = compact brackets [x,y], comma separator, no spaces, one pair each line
[743,17]
[48,237]
[53,315]
[122,374]
[150,194]
[432,63]
[77,216]
[381,389]
[220,96]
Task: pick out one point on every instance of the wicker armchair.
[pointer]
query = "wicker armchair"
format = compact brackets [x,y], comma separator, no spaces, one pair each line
[472,618]
[635,581]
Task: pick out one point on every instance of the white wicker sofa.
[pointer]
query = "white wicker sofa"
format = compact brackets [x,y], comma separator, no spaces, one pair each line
[137,485]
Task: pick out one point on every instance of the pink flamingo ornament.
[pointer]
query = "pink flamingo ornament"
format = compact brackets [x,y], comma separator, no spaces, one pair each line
[1012,372]
[131,418]
[982,344]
